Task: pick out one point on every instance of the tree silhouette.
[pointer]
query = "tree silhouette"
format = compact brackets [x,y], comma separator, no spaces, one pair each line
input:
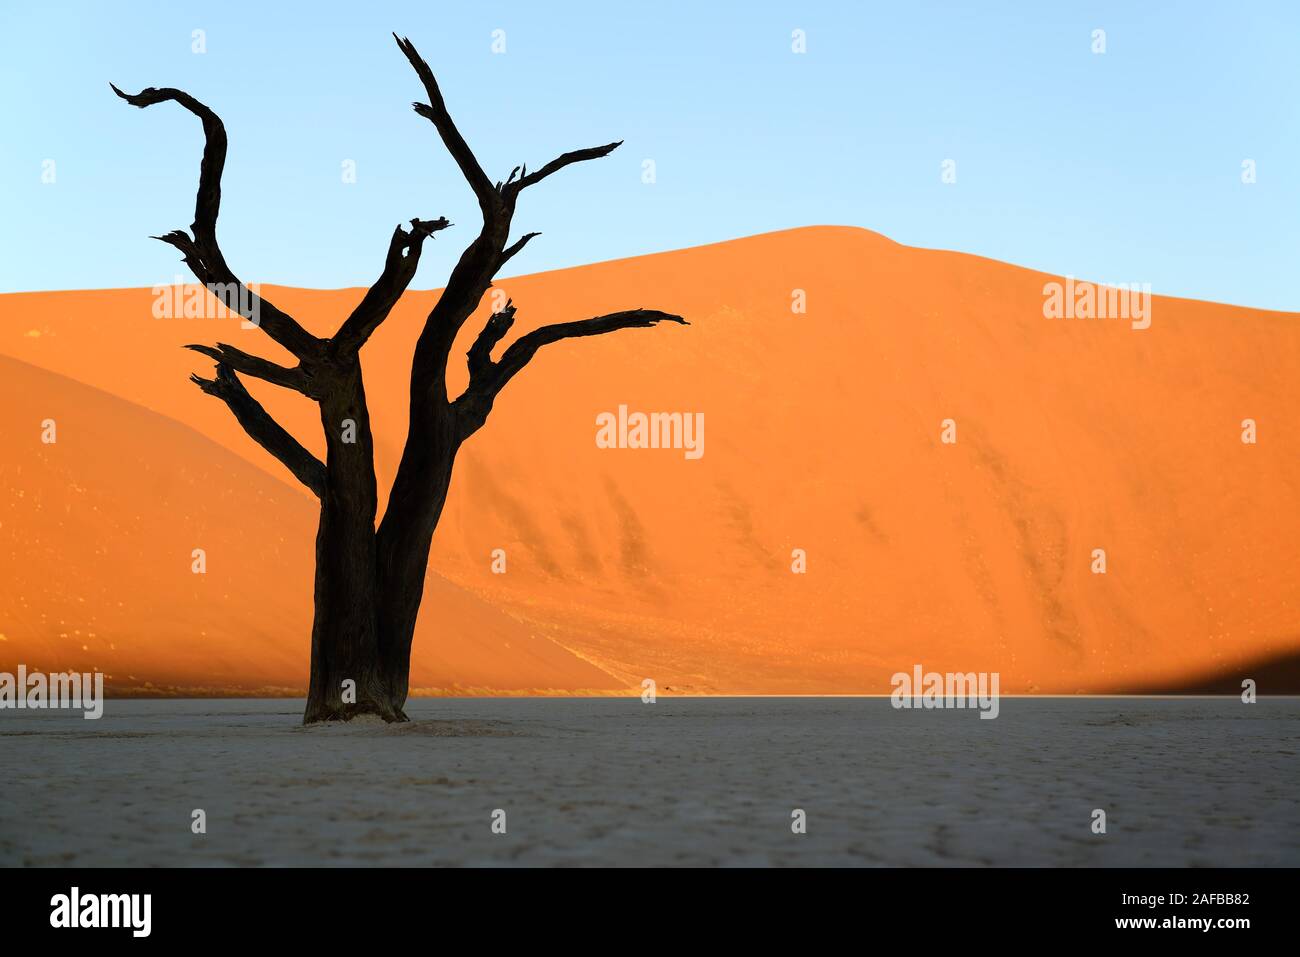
[370,580]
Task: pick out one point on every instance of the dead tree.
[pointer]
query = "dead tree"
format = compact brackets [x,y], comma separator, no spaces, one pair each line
[370,580]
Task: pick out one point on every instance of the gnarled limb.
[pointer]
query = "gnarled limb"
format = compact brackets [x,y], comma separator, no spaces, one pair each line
[509,252]
[436,112]
[399,269]
[256,366]
[263,429]
[479,357]
[466,285]
[201,252]
[488,378]
[515,186]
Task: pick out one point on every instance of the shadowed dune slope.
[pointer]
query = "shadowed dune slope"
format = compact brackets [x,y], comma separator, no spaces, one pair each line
[1279,674]
[822,433]
[97,535]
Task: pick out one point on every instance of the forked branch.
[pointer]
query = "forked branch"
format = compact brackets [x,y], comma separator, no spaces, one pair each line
[436,112]
[399,269]
[516,186]
[487,378]
[256,366]
[264,430]
[509,252]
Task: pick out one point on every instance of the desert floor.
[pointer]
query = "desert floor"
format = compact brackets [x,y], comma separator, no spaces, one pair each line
[680,781]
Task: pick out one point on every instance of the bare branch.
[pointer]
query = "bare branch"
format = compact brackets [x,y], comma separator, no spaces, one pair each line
[513,189]
[480,353]
[201,252]
[189,251]
[208,202]
[256,366]
[523,349]
[488,378]
[509,252]
[436,111]
[263,429]
[399,269]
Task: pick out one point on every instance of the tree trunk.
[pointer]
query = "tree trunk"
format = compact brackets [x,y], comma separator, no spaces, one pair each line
[348,677]
[403,543]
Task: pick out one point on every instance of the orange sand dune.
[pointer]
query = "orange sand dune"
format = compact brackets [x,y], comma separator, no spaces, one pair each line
[823,434]
[97,531]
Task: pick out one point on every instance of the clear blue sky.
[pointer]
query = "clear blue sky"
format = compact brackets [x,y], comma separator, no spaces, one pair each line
[1124,166]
